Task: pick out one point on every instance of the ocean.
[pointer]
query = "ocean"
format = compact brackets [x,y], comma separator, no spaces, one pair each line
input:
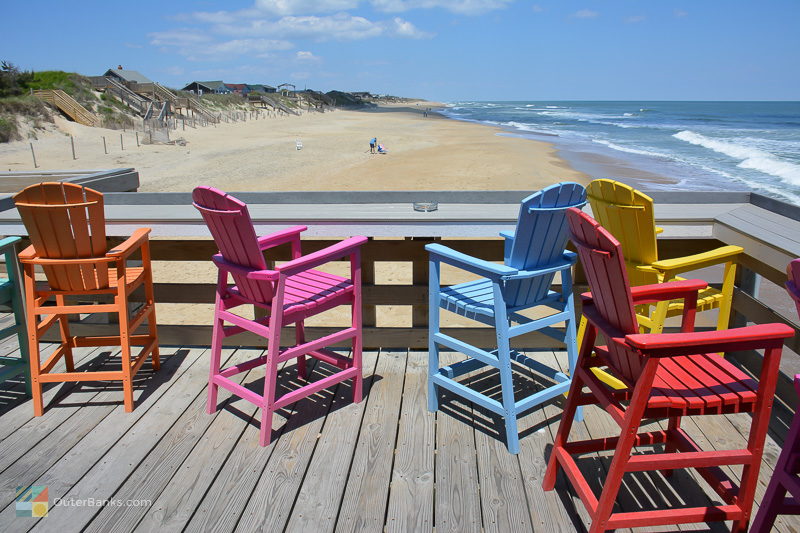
[694,145]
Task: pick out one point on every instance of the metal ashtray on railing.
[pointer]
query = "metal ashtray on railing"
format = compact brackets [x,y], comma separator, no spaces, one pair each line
[425,206]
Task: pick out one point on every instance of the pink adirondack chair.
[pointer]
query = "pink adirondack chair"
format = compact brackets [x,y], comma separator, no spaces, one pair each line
[289,293]
[668,376]
[786,477]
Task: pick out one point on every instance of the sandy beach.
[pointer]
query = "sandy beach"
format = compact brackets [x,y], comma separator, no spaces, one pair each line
[425,153]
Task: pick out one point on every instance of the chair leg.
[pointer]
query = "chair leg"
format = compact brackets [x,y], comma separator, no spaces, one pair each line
[773,498]
[669,447]
[270,382]
[125,346]
[358,344]
[32,323]
[758,434]
[433,329]
[152,323]
[300,338]
[63,326]
[572,347]
[216,353]
[776,491]
[35,370]
[564,427]
[507,387]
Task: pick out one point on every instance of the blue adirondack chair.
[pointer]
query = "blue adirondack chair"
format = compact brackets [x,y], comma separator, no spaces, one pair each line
[11,296]
[534,253]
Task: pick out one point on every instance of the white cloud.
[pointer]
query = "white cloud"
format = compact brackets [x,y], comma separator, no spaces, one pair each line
[341,27]
[585,14]
[680,13]
[305,56]
[403,28]
[537,8]
[635,19]
[196,46]
[462,7]
[304,7]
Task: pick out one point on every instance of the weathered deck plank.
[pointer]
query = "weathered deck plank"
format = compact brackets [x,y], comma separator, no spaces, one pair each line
[457,505]
[549,509]
[320,496]
[363,507]
[412,485]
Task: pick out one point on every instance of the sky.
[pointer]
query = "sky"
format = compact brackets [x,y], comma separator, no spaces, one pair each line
[441,50]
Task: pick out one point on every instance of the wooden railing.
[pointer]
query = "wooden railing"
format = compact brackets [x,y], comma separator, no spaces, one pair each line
[68,105]
[466,221]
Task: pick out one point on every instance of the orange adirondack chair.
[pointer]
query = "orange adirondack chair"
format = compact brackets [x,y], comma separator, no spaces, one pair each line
[666,376]
[66,224]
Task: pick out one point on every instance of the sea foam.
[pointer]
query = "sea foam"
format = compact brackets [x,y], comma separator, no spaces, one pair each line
[630,150]
[750,158]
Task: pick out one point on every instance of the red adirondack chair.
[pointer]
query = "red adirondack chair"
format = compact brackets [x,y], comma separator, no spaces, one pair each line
[786,477]
[668,376]
[290,293]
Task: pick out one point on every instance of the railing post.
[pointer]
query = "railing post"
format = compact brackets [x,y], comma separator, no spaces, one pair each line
[419,276]
[748,282]
[369,315]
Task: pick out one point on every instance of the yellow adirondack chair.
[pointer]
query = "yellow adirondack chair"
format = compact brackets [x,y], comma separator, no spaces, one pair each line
[628,215]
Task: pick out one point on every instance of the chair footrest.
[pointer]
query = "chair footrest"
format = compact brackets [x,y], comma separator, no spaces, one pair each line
[663,517]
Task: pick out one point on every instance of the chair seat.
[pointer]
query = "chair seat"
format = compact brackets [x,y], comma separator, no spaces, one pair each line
[698,384]
[310,290]
[132,275]
[469,298]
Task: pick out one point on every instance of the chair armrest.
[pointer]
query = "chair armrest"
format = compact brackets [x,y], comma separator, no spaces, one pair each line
[566,262]
[28,254]
[8,242]
[335,251]
[659,229]
[674,344]
[130,245]
[508,234]
[249,273]
[280,237]
[701,260]
[439,253]
[658,292]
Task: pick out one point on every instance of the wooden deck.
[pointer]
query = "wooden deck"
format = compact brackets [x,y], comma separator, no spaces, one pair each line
[385,464]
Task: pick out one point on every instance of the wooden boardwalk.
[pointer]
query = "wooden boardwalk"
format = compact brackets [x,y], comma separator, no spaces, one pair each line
[385,464]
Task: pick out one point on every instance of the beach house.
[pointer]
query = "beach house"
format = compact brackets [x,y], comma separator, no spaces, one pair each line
[207,87]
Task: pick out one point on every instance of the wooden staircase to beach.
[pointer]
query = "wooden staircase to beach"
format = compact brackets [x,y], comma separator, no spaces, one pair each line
[69,106]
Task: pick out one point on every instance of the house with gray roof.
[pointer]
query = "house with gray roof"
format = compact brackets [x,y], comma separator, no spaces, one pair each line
[207,87]
[127,76]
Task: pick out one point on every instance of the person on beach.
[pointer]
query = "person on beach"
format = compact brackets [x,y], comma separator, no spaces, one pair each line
[372,143]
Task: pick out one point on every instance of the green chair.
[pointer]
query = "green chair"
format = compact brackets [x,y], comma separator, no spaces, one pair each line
[11,296]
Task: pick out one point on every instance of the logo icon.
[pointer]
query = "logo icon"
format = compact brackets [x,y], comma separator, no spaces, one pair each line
[32,501]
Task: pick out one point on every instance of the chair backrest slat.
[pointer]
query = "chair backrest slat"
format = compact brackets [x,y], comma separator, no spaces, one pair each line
[604,265]
[628,215]
[540,238]
[66,221]
[229,222]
